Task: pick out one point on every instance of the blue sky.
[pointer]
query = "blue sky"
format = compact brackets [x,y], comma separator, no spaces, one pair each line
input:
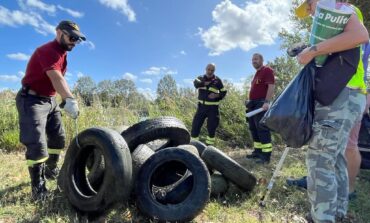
[144,39]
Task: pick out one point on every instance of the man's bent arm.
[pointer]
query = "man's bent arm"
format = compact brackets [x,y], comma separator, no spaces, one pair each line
[59,83]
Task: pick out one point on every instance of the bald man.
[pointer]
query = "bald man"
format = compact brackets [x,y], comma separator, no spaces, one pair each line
[210,92]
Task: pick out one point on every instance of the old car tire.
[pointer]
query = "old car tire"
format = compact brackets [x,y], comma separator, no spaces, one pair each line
[117,181]
[169,128]
[219,184]
[229,168]
[199,145]
[189,148]
[139,156]
[192,205]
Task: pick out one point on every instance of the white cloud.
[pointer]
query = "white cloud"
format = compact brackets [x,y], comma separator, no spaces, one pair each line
[19,18]
[153,71]
[172,72]
[80,74]
[18,56]
[258,23]
[20,74]
[182,52]
[129,76]
[37,4]
[122,6]
[89,44]
[73,13]
[10,78]
[159,70]
[146,80]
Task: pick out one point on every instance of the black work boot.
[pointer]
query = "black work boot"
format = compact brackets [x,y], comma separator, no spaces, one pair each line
[255,154]
[38,182]
[264,158]
[52,170]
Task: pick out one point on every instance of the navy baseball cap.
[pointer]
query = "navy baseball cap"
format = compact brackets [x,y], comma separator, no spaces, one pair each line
[71,28]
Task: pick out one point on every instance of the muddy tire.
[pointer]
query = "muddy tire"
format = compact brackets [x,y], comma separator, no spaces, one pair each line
[139,156]
[187,209]
[229,168]
[199,145]
[117,178]
[219,184]
[190,148]
[169,128]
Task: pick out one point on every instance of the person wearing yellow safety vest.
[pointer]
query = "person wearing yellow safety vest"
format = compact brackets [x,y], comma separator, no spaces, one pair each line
[352,153]
[210,92]
[327,181]
[260,95]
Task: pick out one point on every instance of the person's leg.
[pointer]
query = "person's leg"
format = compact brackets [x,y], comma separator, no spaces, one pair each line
[353,156]
[327,175]
[198,121]
[212,123]
[252,125]
[56,141]
[32,122]
[265,138]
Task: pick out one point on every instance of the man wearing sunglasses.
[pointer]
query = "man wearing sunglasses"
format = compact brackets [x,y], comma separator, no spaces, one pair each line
[327,181]
[40,122]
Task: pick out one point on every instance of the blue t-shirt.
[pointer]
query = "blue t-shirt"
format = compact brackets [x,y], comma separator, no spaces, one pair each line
[365,56]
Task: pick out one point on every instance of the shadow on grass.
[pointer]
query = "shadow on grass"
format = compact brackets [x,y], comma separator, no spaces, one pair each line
[9,195]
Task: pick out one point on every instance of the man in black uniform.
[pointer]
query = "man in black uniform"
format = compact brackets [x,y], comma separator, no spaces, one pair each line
[211,92]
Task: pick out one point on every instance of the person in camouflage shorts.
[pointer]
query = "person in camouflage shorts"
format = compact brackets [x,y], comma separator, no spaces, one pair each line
[326,163]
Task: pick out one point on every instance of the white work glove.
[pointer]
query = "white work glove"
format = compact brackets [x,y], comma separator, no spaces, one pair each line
[71,107]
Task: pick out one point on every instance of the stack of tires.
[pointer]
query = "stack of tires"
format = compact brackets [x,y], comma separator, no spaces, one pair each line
[170,180]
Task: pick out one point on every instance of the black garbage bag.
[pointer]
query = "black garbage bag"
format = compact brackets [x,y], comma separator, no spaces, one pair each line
[291,114]
[364,141]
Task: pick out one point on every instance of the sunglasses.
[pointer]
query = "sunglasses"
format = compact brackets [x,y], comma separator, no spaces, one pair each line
[72,39]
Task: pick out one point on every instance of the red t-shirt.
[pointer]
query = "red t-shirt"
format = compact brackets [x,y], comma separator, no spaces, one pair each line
[260,82]
[50,56]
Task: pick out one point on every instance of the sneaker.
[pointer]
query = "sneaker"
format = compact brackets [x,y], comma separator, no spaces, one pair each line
[301,182]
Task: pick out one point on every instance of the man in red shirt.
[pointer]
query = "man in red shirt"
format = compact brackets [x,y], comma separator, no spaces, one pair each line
[40,122]
[260,95]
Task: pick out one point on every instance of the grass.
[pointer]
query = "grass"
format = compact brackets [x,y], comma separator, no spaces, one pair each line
[286,204]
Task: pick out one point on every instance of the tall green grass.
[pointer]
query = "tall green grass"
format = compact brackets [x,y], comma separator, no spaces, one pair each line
[232,131]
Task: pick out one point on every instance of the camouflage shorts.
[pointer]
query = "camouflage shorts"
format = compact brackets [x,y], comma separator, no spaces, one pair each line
[327,167]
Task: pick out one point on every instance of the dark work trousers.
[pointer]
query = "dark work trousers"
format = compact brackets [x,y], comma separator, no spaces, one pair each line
[213,118]
[259,133]
[40,125]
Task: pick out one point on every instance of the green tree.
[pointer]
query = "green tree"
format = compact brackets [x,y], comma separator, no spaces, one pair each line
[167,87]
[105,91]
[125,91]
[364,6]
[85,87]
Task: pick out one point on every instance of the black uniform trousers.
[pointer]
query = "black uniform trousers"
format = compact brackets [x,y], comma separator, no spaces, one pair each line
[213,119]
[259,133]
[40,125]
